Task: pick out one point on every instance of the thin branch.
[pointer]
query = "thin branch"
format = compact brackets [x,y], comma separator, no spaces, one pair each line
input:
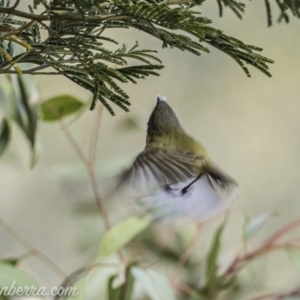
[31,73]
[184,288]
[19,29]
[269,245]
[60,17]
[95,135]
[72,141]
[176,2]
[281,232]
[185,255]
[91,172]
[32,249]
[16,4]
[279,296]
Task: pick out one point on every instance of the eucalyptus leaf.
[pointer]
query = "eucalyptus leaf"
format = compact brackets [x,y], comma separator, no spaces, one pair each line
[122,233]
[154,284]
[60,106]
[11,275]
[26,114]
[18,106]
[4,135]
[196,296]
[80,286]
[294,255]
[255,225]
[213,254]
[124,291]
[11,261]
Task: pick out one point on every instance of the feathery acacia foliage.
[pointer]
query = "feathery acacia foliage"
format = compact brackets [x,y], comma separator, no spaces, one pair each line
[75,40]
[285,6]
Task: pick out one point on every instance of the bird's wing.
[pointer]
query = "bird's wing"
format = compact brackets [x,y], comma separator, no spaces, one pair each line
[153,169]
[179,184]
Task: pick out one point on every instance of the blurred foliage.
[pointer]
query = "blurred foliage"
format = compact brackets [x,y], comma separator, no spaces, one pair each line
[150,258]
[19,107]
[60,106]
[286,8]
[71,38]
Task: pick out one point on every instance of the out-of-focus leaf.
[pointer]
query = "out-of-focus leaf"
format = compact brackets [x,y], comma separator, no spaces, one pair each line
[122,233]
[123,291]
[17,105]
[4,135]
[22,111]
[59,106]
[11,275]
[154,284]
[213,254]
[196,296]
[79,290]
[130,123]
[76,171]
[294,255]
[255,225]
[11,261]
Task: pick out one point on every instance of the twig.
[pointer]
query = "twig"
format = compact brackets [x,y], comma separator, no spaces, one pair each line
[10,31]
[16,4]
[91,172]
[185,255]
[269,245]
[32,249]
[183,288]
[61,17]
[278,296]
[282,232]
[95,135]
[174,2]
[72,141]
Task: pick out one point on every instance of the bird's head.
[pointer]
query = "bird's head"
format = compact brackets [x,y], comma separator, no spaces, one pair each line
[163,120]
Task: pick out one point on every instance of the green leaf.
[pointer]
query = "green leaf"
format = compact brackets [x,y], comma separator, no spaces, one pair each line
[122,233]
[154,284]
[130,123]
[294,255]
[60,106]
[17,106]
[196,296]
[4,135]
[26,113]
[255,225]
[124,291]
[212,258]
[12,276]
[11,261]
[80,286]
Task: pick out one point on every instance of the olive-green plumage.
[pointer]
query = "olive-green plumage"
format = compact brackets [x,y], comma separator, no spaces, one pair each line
[166,133]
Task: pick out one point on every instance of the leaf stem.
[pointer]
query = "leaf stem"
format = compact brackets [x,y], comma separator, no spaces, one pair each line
[185,255]
[47,261]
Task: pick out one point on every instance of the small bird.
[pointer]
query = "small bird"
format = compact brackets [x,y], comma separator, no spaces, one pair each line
[174,176]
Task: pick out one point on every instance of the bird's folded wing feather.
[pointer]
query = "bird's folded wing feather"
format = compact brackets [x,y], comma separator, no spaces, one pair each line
[153,169]
[158,178]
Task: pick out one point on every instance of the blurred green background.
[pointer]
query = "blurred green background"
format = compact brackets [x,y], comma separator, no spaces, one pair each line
[251,127]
